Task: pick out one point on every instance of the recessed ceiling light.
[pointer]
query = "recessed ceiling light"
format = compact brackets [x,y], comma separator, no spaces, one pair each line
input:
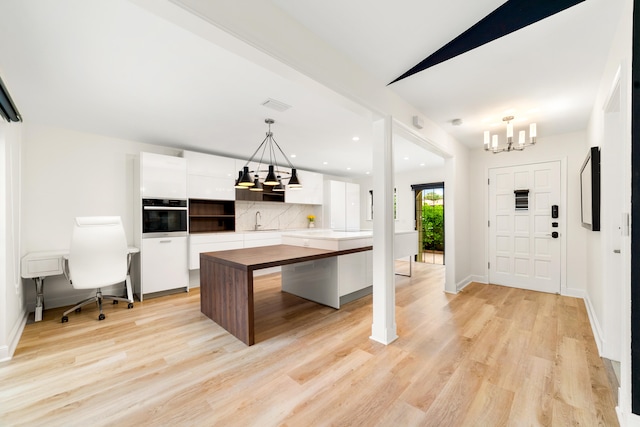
[325,163]
[421,164]
[367,172]
[293,156]
[356,138]
[348,169]
[276,105]
[406,158]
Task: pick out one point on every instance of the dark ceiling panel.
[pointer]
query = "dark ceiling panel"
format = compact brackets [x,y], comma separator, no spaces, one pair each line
[511,16]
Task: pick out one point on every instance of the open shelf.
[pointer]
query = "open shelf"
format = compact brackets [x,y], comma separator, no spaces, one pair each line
[206,216]
[268,195]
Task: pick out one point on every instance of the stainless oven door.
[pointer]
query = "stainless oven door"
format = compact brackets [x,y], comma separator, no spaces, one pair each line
[162,221]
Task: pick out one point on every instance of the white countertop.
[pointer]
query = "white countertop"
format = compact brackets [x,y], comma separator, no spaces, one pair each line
[326,234]
[335,235]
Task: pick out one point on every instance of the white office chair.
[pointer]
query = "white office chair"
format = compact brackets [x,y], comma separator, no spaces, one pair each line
[98,257]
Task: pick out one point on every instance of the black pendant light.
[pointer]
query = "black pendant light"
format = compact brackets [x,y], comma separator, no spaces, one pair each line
[251,178]
[271,177]
[246,180]
[294,182]
[280,186]
[238,186]
[257,185]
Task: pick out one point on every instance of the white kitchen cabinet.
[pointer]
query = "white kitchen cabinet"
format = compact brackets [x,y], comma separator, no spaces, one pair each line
[262,238]
[210,177]
[313,280]
[163,265]
[211,242]
[352,272]
[311,192]
[334,205]
[162,177]
[342,205]
[352,206]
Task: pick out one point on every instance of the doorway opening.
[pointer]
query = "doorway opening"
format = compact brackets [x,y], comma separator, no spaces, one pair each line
[429,221]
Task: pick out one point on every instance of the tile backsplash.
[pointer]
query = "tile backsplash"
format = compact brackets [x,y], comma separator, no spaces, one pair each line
[278,216]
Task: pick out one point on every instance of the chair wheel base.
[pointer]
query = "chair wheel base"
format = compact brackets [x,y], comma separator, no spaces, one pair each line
[65,319]
[78,310]
[101,317]
[130,305]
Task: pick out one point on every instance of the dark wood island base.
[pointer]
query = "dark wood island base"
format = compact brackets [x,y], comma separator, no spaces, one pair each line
[226,281]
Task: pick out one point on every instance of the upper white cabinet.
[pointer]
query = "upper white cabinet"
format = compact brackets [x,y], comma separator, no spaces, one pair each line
[209,176]
[352,206]
[162,177]
[311,191]
[341,205]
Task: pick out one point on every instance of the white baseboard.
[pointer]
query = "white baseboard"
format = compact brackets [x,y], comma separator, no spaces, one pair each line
[572,292]
[469,279]
[479,279]
[6,351]
[593,320]
[384,336]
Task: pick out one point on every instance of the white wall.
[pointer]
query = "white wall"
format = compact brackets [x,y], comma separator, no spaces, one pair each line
[458,211]
[405,196]
[12,300]
[68,174]
[570,146]
[611,132]
[611,314]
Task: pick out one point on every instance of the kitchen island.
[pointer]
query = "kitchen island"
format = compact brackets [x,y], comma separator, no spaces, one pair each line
[226,281]
[352,274]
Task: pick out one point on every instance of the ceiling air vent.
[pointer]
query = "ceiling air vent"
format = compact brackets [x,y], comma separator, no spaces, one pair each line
[276,105]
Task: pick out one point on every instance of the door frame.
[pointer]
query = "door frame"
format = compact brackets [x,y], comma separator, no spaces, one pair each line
[429,186]
[564,289]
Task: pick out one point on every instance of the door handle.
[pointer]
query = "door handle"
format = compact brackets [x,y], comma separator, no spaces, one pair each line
[616,251]
[555,235]
[165,241]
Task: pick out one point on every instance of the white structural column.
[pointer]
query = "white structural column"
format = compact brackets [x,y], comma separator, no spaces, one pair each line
[383,328]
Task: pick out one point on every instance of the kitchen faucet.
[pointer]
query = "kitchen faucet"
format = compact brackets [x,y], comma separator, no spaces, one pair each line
[258,214]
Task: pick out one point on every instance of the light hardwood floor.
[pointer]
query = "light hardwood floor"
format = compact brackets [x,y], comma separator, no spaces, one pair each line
[488,356]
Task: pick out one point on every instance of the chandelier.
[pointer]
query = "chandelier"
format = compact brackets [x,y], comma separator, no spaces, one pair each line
[267,150]
[491,141]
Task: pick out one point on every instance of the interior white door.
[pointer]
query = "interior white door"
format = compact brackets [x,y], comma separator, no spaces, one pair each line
[522,250]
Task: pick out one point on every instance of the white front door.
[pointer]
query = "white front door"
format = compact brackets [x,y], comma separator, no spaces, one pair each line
[523,252]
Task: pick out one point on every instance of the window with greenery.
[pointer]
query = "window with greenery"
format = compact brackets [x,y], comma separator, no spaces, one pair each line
[433,224]
[429,216]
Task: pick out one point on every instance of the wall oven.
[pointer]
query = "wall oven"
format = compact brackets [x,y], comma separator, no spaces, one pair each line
[164,217]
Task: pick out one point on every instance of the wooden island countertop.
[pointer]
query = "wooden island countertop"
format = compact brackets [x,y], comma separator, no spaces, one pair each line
[226,281]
